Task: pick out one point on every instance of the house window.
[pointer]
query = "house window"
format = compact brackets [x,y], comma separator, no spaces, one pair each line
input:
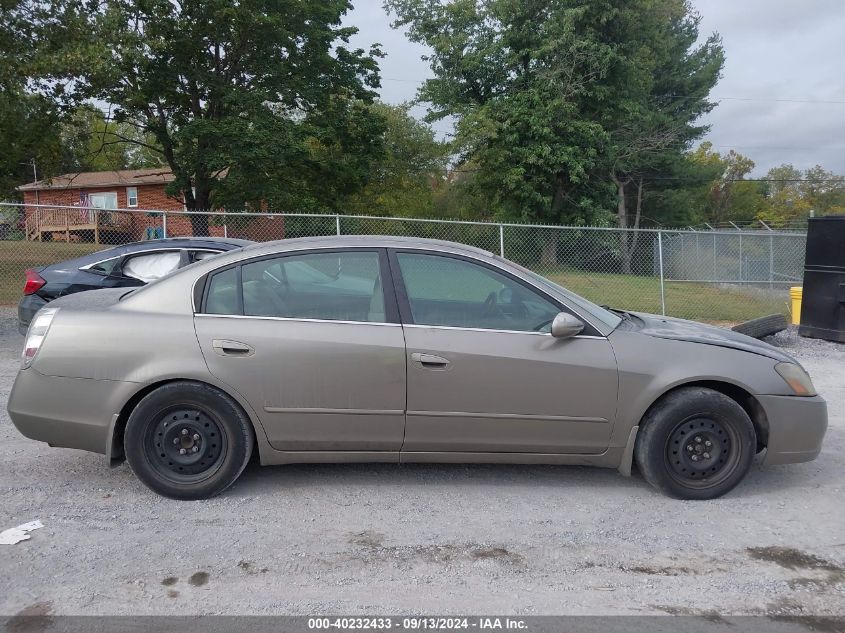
[106,200]
[132,196]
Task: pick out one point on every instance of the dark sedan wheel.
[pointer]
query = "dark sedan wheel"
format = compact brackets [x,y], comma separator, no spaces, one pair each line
[188,440]
[695,443]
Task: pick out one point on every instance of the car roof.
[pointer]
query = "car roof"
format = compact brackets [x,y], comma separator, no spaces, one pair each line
[190,241]
[358,241]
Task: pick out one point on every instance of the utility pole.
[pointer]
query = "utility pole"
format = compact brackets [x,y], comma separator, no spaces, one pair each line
[34,177]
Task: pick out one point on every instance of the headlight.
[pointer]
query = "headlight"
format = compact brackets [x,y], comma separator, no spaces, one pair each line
[36,334]
[797,379]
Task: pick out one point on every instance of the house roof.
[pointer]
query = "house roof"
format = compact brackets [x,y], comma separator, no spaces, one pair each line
[89,179]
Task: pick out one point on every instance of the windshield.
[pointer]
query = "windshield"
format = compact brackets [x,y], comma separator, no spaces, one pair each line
[605,316]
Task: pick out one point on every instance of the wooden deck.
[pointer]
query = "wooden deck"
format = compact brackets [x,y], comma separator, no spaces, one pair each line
[81,224]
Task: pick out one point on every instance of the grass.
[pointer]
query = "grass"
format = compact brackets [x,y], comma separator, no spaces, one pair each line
[17,256]
[697,301]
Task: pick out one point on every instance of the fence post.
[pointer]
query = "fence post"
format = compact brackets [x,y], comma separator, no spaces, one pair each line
[771,259]
[501,240]
[337,222]
[740,256]
[164,224]
[714,257]
[660,264]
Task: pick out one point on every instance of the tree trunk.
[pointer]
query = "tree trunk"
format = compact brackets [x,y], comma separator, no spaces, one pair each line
[622,220]
[637,215]
[197,199]
[548,256]
[199,224]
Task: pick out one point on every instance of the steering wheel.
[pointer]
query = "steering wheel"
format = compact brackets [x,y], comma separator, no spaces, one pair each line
[491,306]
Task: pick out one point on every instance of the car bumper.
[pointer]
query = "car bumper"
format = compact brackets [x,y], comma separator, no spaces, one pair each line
[68,412]
[28,306]
[796,428]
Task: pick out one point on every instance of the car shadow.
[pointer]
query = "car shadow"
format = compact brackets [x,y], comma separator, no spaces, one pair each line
[761,481]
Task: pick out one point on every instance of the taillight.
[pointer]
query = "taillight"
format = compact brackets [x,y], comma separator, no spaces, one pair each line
[34,281]
[36,334]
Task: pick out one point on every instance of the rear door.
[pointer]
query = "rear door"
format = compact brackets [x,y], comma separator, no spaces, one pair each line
[312,340]
[485,374]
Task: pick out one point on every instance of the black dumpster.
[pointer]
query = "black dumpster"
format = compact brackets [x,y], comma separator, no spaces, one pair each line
[823,303]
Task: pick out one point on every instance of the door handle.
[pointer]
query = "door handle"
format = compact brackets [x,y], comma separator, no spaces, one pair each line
[231,348]
[430,361]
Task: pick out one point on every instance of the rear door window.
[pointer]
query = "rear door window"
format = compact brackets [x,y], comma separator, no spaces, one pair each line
[334,286]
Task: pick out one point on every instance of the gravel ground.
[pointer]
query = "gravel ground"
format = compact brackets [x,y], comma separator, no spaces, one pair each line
[369,539]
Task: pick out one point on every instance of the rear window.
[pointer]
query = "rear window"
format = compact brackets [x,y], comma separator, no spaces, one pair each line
[105,267]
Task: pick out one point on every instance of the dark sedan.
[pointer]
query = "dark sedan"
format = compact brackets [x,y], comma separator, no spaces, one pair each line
[129,265]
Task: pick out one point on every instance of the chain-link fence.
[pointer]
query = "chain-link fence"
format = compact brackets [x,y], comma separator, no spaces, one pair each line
[723,276]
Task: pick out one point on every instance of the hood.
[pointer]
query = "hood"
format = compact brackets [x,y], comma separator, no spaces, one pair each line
[694,332]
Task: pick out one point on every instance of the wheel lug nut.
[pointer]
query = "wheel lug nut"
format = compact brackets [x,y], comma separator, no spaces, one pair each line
[196,449]
[697,439]
[182,451]
[708,443]
[175,440]
[184,431]
[689,447]
[706,455]
[196,436]
[695,458]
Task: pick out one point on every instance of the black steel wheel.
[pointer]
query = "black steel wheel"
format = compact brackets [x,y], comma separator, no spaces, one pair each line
[185,445]
[188,440]
[701,452]
[695,443]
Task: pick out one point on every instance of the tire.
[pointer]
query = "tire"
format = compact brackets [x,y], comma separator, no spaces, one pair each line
[695,443]
[188,440]
[764,326]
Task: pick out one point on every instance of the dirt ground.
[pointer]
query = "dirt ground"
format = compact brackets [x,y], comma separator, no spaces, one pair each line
[388,539]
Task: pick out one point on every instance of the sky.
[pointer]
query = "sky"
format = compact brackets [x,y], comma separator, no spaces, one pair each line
[781,96]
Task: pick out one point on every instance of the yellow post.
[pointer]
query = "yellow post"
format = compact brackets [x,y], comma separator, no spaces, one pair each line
[796,294]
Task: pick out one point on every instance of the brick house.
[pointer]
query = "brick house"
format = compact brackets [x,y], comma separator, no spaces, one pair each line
[94,194]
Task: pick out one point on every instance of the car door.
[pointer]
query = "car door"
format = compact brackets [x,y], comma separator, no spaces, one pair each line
[485,374]
[312,340]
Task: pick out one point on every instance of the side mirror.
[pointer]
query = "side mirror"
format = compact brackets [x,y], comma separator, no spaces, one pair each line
[566,326]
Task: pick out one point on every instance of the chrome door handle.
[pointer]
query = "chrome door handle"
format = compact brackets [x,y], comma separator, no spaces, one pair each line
[231,348]
[430,361]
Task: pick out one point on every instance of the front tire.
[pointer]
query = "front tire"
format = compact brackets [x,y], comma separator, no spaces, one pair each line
[188,440]
[695,443]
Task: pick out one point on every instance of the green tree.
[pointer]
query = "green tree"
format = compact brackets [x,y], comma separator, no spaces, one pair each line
[92,143]
[730,196]
[791,195]
[403,181]
[653,112]
[563,104]
[29,120]
[233,93]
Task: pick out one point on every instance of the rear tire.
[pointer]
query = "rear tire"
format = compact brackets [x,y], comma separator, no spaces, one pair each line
[188,440]
[695,443]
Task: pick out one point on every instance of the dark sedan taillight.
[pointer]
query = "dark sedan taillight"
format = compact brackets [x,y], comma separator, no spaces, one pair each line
[34,281]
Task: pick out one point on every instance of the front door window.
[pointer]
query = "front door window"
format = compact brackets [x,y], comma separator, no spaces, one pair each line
[452,292]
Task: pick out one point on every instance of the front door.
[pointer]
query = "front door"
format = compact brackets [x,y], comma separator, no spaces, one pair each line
[312,341]
[485,375]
